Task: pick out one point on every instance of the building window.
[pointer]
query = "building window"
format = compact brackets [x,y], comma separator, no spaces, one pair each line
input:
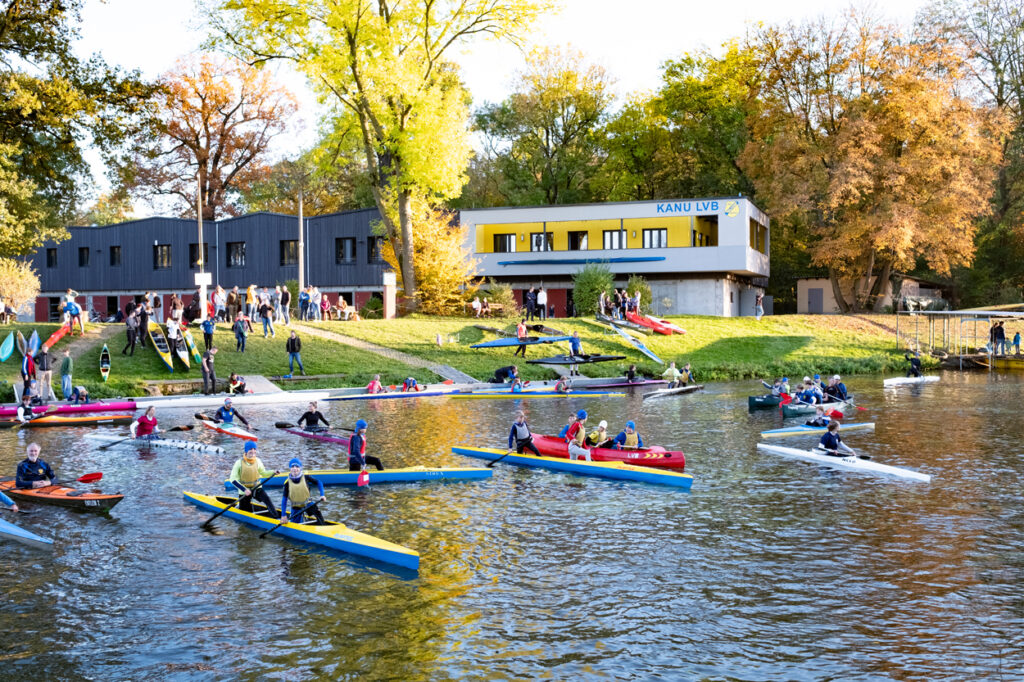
[83,256]
[613,239]
[505,243]
[542,241]
[51,258]
[373,249]
[289,252]
[115,256]
[236,255]
[344,250]
[161,256]
[656,239]
[578,240]
[193,255]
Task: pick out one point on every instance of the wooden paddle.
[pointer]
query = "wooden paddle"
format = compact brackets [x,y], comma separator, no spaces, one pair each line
[290,518]
[185,427]
[235,503]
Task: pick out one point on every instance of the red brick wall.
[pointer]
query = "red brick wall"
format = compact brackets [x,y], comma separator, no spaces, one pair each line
[361,298]
[559,299]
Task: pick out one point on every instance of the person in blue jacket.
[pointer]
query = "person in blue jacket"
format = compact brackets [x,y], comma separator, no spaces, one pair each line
[32,471]
[832,444]
[297,492]
[521,437]
[357,457]
[628,439]
[227,414]
[575,350]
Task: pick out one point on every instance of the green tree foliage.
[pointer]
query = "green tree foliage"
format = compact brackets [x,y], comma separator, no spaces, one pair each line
[639,283]
[110,208]
[639,154]
[588,282]
[500,294]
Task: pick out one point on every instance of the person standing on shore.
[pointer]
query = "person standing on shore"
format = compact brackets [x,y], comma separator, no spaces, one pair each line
[131,324]
[759,306]
[521,335]
[67,366]
[294,347]
[209,372]
[286,302]
[233,304]
[208,327]
[530,300]
[542,303]
[275,302]
[44,374]
[241,332]
[267,317]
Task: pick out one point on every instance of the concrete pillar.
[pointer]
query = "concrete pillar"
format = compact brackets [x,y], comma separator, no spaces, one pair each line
[390,292]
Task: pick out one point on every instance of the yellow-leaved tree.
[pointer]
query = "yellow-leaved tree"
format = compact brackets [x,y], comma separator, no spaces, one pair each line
[19,284]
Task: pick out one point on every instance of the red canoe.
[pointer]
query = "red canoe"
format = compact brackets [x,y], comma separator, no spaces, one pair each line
[57,335]
[656,456]
[111,406]
[651,324]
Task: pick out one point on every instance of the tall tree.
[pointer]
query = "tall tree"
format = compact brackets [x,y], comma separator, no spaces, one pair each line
[546,137]
[387,63]
[52,104]
[639,155]
[865,136]
[216,118]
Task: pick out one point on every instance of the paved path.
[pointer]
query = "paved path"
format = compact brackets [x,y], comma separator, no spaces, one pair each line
[260,384]
[442,370]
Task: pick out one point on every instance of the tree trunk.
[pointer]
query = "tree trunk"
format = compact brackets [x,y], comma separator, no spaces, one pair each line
[879,286]
[837,293]
[862,284]
[408,271]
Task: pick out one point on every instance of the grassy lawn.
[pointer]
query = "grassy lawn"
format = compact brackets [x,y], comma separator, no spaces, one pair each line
[719,348]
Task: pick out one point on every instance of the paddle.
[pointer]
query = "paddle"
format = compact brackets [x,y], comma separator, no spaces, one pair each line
[290,518]
[49,410]
[186,427]
[235,503]
[203,417]
[84,478]
[16,511]
[289,425]
[836,453]
[495,461]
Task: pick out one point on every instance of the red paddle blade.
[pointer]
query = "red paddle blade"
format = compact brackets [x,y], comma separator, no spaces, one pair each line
[862,409]
[89,478]
[836,414]
[448,382]
[363,479]
[786,399]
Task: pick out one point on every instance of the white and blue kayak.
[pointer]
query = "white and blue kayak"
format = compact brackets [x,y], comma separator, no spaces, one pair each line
[514,341]
[145,442]
[803,430]
[847,463]
[900,381]
[638,344]
[404,475]
[9,531]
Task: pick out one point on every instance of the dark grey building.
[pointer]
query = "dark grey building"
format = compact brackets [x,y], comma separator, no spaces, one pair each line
[111,265]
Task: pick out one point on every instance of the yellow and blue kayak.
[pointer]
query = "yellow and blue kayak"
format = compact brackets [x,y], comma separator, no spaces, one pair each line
[404,475]
[509,395]
[336,536]
[803,430]
[9,531]
[160,344]
[614,470]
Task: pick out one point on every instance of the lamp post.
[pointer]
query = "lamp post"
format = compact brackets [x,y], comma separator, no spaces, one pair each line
[202,277]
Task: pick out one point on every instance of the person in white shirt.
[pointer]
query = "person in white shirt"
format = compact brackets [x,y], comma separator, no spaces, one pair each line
[542,303]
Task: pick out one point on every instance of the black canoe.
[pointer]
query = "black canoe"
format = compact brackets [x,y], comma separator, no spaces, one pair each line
[763,402]
[575,359]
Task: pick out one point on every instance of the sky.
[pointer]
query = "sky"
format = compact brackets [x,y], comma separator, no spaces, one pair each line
[629,38]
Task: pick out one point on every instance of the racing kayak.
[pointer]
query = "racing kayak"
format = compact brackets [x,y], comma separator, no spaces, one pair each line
[794,410]
[513,341]
[655,456]
[32,346]
[638,344]
[336,536]
[666,323]
[105,363]
[763,402]
[78,420]
[621,382]
[160,344]
[180,348]
[899,381]
[229,429]
[9,531]
[849,463]
[57,335]
[498,395]
[19,340]
[71,408]
[575,359]
[190,343]
[646,322]
[661,393]
[611,321]
[156,442]
[7,347]
[804,429]
[406,475]
[614,470]
[325,436]
[61,496]
[395,394]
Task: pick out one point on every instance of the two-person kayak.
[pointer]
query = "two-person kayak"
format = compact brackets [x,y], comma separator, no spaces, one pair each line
[404,475]
[656,456]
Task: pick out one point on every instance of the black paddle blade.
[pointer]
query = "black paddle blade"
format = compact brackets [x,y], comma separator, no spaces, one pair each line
[284,425]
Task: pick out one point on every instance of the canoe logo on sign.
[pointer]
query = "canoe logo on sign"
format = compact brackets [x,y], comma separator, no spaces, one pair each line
[731,209]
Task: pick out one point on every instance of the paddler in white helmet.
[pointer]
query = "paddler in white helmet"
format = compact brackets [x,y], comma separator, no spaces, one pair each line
[598,438]
[576,436]
[296,492]
[245,477]
[628,438]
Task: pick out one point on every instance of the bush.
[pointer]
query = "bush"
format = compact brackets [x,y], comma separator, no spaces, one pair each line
[374,309]
[638,283]
[588,283]
[498,293]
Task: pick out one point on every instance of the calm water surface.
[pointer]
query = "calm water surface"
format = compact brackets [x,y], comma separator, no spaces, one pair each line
[768,569]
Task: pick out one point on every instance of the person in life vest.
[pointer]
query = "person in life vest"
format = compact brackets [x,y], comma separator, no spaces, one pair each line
[32,471]
[836,389]
[814,390]
[246,475]
[296,493]
[227,414]
[521,334]
[775,388]
[517,385]
[832,444]
[521,437]
[915,363]
[599,438]
[25,411]
[146,425]
[357,457]
[375,386]
[672,375]
[311,418]
[576,436]
[410,385]
[686,376]
[820,418]
[563,385]
[628,439]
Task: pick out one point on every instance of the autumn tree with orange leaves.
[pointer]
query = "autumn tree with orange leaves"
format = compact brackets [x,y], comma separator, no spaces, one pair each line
[864,138]
[216,118]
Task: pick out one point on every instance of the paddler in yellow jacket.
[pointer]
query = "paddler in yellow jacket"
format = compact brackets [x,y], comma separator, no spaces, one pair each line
[598,438]
[628,439]
[296,492]
[246,475]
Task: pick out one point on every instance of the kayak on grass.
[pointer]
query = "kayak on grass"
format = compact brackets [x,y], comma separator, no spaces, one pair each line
[804,429]
[155,442]
[180,348]
[105,362]
[508,395]
[899,381]
[655,456]
[336,536]
[513,341]
[32,346]
[666,323]
[229,429]
[801,409]
[71,408]
[57,335]
[404,475]
[849,462]
[646,322]
[20,341]
[545,330]
[612,322]
[61,496]
[661,393]
[78,420]
[575,359]
[763,402]
[9,531]
[614,470]
[190,343]
[639,345]
[160,344]
[7,347]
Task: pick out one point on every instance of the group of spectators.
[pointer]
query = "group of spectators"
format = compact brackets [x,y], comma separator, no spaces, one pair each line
[536,303]
[997,339]
[618,303]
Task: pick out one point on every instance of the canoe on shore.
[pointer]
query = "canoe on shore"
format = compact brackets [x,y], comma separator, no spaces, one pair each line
[656,456]
[333,535]
[804,430]
[160,343]
[404,475]
[848,463]
[9,531]
[61,496]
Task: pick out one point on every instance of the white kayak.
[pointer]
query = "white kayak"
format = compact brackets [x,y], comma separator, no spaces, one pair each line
[804,429]
[849,463]
[200,400]
[156,442]
[899,381]
[229,429]
[663,392]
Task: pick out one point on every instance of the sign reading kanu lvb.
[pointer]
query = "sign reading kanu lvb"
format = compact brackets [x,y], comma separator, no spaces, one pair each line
[690,207]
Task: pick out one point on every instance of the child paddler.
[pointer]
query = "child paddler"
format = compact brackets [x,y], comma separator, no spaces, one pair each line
[357,457]
[375,386]
[821,419]
[575,350]
[598,438]
[311,418]
[246,475]
[832,444]
[775,388]
[25,411]
[576,437]
[296,492]
[521,437]
[628,439]
[915,363]
[671,375]
[227,414]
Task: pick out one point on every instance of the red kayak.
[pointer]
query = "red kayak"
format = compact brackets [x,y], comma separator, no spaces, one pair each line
[655,456]
[57,336]
[651,324]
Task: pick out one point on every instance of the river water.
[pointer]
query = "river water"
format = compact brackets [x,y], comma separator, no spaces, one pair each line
[767,569]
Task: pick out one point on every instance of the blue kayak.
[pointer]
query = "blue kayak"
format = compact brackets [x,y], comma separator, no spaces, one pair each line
[406,475]
[528,341]
[638,345]
[9,531]
[7,347]
[33,343]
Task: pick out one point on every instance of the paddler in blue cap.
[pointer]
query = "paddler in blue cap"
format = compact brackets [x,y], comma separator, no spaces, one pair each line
[246,475]
[576,436]
[296,492]
[357,457]
[628,439]
[227,414]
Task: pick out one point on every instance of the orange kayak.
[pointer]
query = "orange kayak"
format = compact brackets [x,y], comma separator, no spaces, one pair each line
[76,420]
[61,496]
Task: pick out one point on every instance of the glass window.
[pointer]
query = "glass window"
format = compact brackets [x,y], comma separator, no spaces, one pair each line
[612,239]
[578,240]
[373,245]
[193,255]
[83,256]
[51,258]
[542,241]
[161,257]
[504,243]
[289,252]
[344,250]
[656,238]
[236,254]
[115,256]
